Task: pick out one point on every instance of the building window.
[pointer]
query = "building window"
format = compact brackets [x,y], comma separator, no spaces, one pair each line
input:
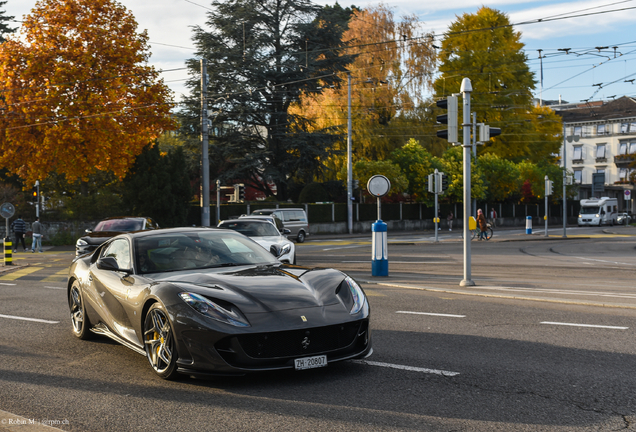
[632,148]
[622,148]
[577,130]
[632,128]
[624,127]
[600,151]
[600,170]
[578,153]
[578,176]
[622,173]
[600,129]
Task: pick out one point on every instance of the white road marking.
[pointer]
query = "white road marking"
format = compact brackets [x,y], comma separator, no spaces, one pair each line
[29,319]
[7,284]
[401,262]
[408,368]
[585,325]
[52,287]
[432,314]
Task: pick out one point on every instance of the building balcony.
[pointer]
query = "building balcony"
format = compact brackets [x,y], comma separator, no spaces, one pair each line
[577,161]
[624,160]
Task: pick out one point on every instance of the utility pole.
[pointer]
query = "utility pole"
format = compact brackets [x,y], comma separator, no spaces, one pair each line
[565,200]
[475,155]
[466,89]
[205,163]
[349,161]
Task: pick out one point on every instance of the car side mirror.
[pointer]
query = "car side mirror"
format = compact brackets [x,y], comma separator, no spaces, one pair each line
[87,231]
[286,231]
[107,263]
[276,250]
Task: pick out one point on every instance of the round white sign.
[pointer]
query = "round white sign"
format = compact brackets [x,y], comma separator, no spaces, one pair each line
[7,210]
[628,194]
[378,186]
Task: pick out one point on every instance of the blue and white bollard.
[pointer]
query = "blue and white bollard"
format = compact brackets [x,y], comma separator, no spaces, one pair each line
[528,224]
[380,250]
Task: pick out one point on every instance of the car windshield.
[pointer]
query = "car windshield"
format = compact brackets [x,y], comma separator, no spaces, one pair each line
[251,228]
[168,252]
[589,210]
[120,225]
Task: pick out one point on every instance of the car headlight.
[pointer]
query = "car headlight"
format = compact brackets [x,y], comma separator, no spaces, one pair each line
[356,294]
[596,215]
[228,315]
[81,242]
[580,216]
[285,249]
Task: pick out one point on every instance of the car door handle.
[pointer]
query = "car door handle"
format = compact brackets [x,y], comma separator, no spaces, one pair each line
[90,278]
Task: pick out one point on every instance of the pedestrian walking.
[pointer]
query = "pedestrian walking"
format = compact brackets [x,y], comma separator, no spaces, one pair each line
[37,235]
[483,225]
[449,220]
[19,229]
[493,216]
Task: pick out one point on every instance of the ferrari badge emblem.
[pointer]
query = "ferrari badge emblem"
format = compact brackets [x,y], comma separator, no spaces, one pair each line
[302,317]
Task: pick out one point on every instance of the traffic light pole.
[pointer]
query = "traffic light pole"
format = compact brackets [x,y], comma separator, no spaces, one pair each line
[546,206]
[437,188]
[466,89]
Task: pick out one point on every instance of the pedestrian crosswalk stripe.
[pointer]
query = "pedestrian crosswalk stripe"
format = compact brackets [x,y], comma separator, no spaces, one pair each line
[57,277]
[20,273]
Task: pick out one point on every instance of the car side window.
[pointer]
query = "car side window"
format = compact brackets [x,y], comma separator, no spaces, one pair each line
[119,250]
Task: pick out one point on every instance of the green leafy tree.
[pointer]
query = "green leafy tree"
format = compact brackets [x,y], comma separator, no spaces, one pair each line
[501,177]
[313,192]
[262,55]
[485,48]
[416,163]
[157,186]
[451,164]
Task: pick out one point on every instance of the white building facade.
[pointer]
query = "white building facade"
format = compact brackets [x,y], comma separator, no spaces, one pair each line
[600,138]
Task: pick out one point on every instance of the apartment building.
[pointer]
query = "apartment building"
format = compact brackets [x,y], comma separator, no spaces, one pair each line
[600,138]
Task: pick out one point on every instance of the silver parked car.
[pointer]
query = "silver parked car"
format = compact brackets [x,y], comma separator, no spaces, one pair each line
[623,219]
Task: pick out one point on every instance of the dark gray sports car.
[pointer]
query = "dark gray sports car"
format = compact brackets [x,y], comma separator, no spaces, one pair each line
[211,301]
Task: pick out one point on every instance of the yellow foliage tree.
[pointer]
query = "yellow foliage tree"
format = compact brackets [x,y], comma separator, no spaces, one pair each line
[393,64]
[76,92]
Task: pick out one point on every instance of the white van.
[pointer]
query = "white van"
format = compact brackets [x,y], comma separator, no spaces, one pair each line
[294,219]
[598,211]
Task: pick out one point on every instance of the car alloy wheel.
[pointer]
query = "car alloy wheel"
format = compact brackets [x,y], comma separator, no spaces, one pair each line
[79,319]
[159,342]
[301,237]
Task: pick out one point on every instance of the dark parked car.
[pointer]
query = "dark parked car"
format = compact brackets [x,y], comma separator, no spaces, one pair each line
[210,301]
[109,228]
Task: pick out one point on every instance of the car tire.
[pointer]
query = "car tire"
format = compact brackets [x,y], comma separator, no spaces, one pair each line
[301,237]
[159,342]
[79,318]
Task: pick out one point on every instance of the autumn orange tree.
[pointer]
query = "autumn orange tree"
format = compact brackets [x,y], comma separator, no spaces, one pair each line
[77,95]
[393,63]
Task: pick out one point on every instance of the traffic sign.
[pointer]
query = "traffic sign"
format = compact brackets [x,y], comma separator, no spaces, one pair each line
[628,194]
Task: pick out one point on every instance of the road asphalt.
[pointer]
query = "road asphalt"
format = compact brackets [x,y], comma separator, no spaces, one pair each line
[15,423]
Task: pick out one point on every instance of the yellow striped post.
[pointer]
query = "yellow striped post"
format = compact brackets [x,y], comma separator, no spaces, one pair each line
[8,252]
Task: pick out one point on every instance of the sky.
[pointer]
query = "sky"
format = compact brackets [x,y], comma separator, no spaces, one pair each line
[581,73]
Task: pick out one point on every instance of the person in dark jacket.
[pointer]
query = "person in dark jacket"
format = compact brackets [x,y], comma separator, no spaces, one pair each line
[19,229]
[37,235]
[483,225]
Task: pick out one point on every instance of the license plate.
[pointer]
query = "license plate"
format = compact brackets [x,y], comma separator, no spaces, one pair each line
[310,362]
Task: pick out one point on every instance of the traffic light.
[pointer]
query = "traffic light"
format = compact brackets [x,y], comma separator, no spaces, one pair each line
[549,187]
[34,193]
[450,118]
[430,183]
[444,182]
[240,196]
[486,132]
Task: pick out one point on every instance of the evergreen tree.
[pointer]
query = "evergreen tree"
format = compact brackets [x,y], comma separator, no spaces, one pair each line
[157,186]
[4,19]
[262,55]
[485,48]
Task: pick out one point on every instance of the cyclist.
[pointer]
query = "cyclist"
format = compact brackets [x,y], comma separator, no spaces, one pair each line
[483,225]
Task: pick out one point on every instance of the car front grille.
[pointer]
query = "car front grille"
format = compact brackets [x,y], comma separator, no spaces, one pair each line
[293,343]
